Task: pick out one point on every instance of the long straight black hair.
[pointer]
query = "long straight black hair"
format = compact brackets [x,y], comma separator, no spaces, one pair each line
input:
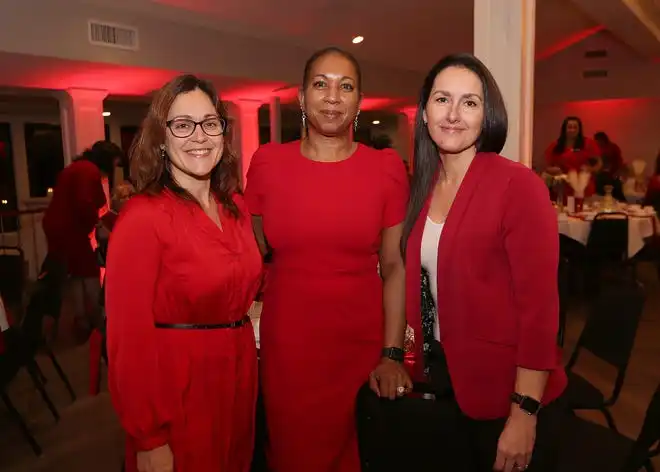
[579,140]
[426,158]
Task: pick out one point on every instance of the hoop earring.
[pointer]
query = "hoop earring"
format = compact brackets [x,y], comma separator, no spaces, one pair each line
[355,122]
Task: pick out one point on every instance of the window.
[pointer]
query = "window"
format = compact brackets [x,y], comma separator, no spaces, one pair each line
[8,198]
[45,156]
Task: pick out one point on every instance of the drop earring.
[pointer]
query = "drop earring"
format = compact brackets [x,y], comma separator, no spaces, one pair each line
[355,122]
[304,118]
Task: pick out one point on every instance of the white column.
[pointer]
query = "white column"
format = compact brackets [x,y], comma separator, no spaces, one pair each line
[275,116]
[406,132]
[504,40]
[81,118]
[248,126]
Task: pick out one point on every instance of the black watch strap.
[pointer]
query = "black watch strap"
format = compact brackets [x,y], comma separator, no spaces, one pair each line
[394,353]
[526,404]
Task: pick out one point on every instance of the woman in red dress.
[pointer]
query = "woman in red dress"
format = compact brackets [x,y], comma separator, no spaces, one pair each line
[183,268]
[70,220]
[573,151]
[330,210]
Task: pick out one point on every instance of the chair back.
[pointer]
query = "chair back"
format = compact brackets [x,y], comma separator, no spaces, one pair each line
[612,323]
[611,328]
[563,284]
[12,275]
[608,238]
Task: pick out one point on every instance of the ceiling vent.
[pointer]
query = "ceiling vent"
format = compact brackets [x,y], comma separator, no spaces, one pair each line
[595,54]
[113,35]
[594,74]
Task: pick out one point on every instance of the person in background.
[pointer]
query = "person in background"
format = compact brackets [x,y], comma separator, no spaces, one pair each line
[330,210]
[652,197]
[69,221]
[480,242]
[183,269]
[610,154]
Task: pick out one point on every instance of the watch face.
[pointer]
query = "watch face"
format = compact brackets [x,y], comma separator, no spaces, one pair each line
[530,405]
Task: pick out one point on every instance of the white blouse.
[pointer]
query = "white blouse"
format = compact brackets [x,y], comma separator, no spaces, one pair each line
[429,259]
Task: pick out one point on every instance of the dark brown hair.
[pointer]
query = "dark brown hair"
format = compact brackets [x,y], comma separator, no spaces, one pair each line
[150,167]
[426,159]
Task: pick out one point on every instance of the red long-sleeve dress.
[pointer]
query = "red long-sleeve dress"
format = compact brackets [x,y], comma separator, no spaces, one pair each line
[71,216]
[321,330]
[192,389]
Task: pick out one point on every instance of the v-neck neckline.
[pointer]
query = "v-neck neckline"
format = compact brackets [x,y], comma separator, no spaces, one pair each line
[219,226]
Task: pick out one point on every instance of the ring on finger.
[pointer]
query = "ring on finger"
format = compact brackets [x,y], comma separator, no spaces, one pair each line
[400,390]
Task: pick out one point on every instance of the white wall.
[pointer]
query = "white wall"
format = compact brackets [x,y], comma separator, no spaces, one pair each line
[625,105]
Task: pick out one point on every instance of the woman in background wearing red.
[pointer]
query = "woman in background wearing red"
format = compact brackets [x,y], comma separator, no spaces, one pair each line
[183,269]
[573,151]
[70,220]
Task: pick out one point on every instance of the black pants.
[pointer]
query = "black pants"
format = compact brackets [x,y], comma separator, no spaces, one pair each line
[482,436]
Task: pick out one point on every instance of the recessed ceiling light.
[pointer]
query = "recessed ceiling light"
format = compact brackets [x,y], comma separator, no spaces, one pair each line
[106,113]
[358,39]
[375,122]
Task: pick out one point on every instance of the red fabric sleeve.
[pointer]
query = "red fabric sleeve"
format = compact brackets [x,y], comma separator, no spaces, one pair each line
[531,241]
[254,190]
[133,264]
[396,188]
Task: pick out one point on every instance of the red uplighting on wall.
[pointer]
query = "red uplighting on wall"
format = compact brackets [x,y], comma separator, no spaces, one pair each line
[568,42]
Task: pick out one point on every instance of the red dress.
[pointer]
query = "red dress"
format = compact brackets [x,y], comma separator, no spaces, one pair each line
[574,159]
[321,329]
[71,216]
[192,389]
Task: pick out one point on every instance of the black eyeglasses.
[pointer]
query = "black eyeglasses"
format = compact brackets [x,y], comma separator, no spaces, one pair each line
[183,127]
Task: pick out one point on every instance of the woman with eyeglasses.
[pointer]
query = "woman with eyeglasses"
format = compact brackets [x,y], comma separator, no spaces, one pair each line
[330,210]
[183,268]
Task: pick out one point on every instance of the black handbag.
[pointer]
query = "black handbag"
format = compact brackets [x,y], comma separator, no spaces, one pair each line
[422,431]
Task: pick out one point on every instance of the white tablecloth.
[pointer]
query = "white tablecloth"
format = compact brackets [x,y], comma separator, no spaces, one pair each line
[639,228]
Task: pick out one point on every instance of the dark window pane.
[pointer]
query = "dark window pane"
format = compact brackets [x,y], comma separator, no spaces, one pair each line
[45,156]
[8,198]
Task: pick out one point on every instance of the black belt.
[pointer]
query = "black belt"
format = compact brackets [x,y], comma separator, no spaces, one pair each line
[234,324]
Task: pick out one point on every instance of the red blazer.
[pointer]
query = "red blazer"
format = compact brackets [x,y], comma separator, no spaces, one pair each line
[498,303]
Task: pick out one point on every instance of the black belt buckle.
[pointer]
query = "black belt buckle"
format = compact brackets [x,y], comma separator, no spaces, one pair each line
[232,325]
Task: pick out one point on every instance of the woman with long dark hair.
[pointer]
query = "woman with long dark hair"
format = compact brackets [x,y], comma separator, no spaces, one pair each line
[183,268]
[572,150]
[330,210]
[481,248]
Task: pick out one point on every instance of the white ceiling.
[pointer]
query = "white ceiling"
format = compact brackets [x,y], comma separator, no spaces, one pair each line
[409,35]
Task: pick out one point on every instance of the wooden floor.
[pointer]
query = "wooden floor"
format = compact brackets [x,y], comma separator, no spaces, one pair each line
[88,437]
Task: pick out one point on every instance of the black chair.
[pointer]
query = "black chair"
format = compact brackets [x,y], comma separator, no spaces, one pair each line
[12,275]
[412,433]
[587,446]
[609,334]
[17,355]
[45,301]
[607,245]
[564,287]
